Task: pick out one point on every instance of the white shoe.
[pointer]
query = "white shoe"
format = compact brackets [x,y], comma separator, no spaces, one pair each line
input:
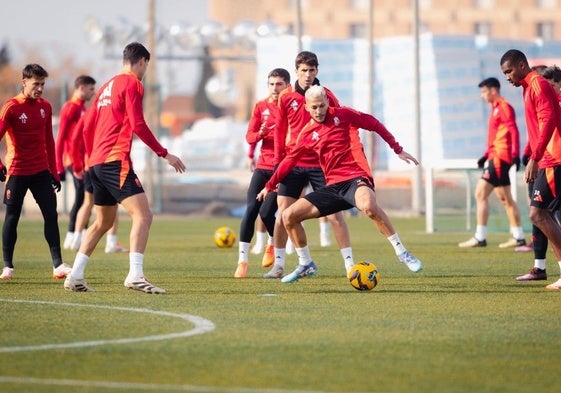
[7,273]
[275,272]
[413,263]
[556,286]
[143,285]
[62,271]
[68,240]
[114,248]
[76,285]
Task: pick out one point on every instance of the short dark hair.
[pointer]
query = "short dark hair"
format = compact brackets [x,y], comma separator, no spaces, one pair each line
[34,71]
[308,58]
[514,56]
[540,68]
[280,72]
[552,73]
[134,52]
[83,80]
[490,82]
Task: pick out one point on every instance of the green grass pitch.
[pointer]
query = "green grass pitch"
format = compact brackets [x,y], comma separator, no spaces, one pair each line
[461,325]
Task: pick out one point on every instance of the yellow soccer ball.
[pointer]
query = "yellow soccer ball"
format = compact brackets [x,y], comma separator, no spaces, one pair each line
[364,276]
[224,237]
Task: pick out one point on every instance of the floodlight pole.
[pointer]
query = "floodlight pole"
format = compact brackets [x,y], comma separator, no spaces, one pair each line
[417,178]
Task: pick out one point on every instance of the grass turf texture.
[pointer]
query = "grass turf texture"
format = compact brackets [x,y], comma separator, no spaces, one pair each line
[462,325]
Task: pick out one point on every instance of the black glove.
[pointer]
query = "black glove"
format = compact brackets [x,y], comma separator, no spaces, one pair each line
[525,160]
[56,185]
[3,174]
[481,162]
[62,176]
[516,161]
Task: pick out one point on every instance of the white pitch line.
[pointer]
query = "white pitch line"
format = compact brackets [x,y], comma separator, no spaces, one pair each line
[144,386]
[202,326]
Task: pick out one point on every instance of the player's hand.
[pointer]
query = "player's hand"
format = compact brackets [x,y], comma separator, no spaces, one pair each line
[175,162]
[56,184]
[251,164]
[3,174]
[262,194]
[516,161]
[525,159]
[481,162]
[62,176]
[531,171]
[408,158]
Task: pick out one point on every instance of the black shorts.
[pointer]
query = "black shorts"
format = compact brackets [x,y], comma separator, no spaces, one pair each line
[88,186]
[40,185]
[293,184]
[547,189]
[337,197]
[107,188]
[496,173]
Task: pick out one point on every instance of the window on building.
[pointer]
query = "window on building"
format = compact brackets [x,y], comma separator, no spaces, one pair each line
[359,4]
[546,3]
[545,30]
[483,4]
[358,30]
[482,28]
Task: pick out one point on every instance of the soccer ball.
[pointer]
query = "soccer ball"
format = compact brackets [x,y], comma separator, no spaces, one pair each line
[364,276]
[224,237]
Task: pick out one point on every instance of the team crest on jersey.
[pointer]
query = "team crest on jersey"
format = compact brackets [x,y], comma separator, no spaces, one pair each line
[23,118]
[294,105]
[42,112]
[336,121]
[315,136]
[105,96]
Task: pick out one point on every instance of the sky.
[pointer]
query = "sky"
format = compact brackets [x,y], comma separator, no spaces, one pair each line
[52,28]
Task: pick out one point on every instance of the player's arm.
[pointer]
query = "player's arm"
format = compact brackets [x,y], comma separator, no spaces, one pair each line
[280,131]
[4,125]
[545,110]
[69,116]
[78,150]
[50,145]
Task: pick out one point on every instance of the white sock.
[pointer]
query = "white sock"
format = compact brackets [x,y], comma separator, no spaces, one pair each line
[347,254]
[480,232]
[280,256]
[325,228]
[270,241]
[69,235]
[539,263]
[111,240]
[79,266]
[243,249]
[136,261]
[559,263]
[397,245]
[304,256]
[260,239]
[517,233]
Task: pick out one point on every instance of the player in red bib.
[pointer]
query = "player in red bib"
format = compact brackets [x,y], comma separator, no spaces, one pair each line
[26,120]
[115,117]
[348,184]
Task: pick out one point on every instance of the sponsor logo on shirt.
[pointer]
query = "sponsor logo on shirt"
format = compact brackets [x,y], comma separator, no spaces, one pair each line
[105,96]
[23,118]
[315,136]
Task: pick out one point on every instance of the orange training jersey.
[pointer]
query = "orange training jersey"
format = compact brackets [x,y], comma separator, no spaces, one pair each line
[331,142]
[30,146]
[541,109]
[70,113]
[264,112]
[503,138]
[117,115]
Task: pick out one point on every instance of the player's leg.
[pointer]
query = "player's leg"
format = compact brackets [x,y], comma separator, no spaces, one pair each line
[14,192]
[112,244]
[482,191]
[84,213]
[260,236]
[513,213]
[267,213]
[365,201]
[42,190]
[73,214]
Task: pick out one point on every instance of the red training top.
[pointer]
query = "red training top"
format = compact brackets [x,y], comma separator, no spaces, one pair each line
[70,113]
[264,112]
[331,142]
[503,138]
[30,146]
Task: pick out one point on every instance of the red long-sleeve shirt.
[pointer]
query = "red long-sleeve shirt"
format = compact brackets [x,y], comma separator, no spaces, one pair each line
[117,115]
[30,146]
[503,138]
[543,120]
[70,114]
[331,142]
[264,111]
